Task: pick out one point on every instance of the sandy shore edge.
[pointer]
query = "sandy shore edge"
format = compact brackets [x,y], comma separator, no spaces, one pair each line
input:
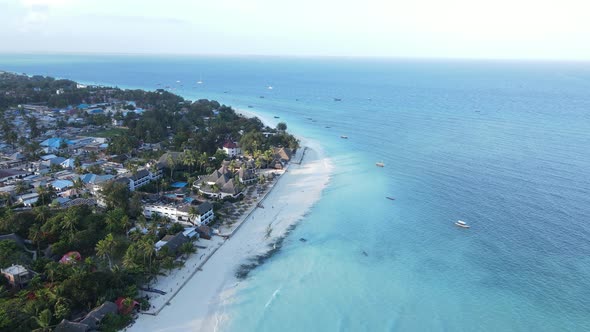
[208,279]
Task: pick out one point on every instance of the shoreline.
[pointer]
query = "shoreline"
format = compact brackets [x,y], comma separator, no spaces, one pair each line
[200,298]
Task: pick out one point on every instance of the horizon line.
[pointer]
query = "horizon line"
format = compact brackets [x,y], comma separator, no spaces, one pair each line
[341,56]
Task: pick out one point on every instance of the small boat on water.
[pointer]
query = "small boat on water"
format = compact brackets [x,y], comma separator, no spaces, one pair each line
[337,99]
[390,198]
[380,164]
[261,97]
[277,117]
[250,106]
[462,224]
[344,137]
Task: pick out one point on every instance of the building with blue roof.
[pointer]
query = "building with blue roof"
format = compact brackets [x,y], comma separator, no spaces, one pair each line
[61,185]
[68,163]
[95,111]
[54,142]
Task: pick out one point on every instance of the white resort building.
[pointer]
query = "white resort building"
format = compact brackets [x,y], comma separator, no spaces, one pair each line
[203,213]
[231,149]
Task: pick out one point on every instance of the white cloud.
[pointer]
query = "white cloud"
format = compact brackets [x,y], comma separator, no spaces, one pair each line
[45,3]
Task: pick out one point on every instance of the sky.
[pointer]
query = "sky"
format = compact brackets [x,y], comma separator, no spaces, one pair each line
[491,29]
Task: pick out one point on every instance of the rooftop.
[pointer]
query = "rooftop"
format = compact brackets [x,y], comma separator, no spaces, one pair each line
[15,270]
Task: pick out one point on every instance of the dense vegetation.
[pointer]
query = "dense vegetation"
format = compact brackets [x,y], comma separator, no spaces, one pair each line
[114,260]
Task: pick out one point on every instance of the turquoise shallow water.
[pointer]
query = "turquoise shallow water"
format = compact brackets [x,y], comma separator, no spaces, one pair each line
[501,145]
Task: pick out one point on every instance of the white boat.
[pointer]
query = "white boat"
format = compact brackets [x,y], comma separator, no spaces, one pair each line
[344,136]
[461,224]
[380,164]
[270,87]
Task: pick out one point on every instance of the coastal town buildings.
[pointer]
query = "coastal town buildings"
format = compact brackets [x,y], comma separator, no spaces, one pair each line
[75,158]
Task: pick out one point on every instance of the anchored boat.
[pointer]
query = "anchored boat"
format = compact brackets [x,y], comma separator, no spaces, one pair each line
[462,224]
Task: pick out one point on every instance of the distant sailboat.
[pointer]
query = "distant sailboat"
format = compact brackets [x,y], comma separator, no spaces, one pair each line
[200,81]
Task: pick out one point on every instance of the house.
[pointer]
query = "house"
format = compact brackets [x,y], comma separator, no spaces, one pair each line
[17,275]
[246,175]
[54,142]
[231,149]
[67,326]
[51,159]
[89,323]
[205,232]
[61,185]
[12,174]
[175,156]
[94,178]
[191,233]
[141,178]
[17,156]
[203,213]
[172,242]
[28,199]
[219,184]
[68,163]
[283,154]
[93,319]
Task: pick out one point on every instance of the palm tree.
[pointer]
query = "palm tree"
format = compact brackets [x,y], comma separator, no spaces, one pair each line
[105,248]
[203,159]
[42,191]
[193,213]
[232,165]
[113,220]
[36,235]
[44,320]
[70,221]
[129,259]
[146,246]
[42,213]
[171,164]
[187,248]
[125,223]
[78,184]
[189,159]
[21,187]
[258,163]
[269,155]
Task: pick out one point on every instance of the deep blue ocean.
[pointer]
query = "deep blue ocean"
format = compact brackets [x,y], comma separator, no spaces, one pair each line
[502,145]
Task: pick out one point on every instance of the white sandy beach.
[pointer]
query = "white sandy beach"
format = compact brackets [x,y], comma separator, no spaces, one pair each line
[198,305]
